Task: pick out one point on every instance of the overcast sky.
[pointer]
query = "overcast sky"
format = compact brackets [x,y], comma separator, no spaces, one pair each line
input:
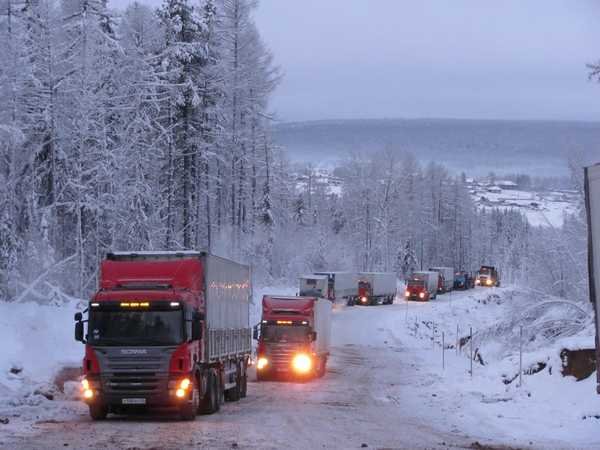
[509,59]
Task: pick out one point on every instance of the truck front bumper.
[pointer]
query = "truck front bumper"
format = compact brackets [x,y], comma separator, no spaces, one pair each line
[160,393]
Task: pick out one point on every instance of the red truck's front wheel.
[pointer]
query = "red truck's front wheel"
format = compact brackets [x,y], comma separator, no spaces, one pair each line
[98,411]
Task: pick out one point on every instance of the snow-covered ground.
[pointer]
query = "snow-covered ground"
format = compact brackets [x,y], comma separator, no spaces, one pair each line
[37,341]
[387,385]
[540,208]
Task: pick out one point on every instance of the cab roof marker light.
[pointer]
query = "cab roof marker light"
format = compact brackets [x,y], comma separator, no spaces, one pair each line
[95,305]
[134,304]
[145,304]
[304,322]
[124,304]
[174,304]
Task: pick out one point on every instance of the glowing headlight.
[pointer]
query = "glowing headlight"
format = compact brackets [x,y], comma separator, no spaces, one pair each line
[88,393]
[180,393]
[407,294]
[85,383]
[421,294]
[185,383]
[488,282]
[477,281]
[262,363]
[363,299]
[302,363]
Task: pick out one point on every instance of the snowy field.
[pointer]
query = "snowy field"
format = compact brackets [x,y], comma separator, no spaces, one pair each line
[541,208]
[389,384]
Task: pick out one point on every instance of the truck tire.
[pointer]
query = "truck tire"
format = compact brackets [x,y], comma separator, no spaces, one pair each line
[98,411]
[210,403]
[189,410]
[234,394]
[244,386]
[322,367]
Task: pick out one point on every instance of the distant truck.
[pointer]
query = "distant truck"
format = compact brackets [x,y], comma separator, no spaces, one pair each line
[422,286]
[166,329]
[341,285]
[487,276]
[313,286]
[376,288]
[464,280]
[293,337]
[447,274]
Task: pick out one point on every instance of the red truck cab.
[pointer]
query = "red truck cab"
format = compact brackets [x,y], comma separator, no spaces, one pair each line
[293,337]
[152,340]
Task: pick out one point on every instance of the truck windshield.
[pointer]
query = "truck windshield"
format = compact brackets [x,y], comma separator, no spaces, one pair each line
[136,327]
[284,333]
[415,283]
[485,271]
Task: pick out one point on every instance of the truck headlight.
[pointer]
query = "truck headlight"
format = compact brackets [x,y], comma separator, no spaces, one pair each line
[421,294]
[363,299]
[488,282]
[302,363]
[88,393]
[262,363]
[407,294]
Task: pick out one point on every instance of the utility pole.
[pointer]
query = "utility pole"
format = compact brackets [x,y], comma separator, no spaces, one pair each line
[592,204]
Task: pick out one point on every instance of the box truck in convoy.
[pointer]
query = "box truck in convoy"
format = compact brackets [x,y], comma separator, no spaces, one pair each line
[487,276]
[464,280]
[447,274]
[293,337]
[422,286]
[376,288]
[313,286]
[166,330]
[341,285]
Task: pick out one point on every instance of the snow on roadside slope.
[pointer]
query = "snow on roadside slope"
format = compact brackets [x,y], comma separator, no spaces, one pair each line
[37,341]
[549,410]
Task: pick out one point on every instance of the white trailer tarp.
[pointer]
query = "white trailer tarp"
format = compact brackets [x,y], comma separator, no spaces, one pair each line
[322,325]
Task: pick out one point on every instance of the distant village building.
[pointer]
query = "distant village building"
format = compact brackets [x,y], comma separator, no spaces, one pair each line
[507,185]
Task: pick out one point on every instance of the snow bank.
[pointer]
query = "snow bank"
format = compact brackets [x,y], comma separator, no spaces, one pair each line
[547,410]
[37,341]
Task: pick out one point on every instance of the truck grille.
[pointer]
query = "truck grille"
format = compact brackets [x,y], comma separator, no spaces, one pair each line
[127,363]
[281,356]
[133,382]
[139,374]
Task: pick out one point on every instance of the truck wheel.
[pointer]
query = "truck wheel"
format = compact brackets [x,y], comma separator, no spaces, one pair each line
[244,380]
[322,367]
[98,411]
[234,394]
[189,410]
[210,402]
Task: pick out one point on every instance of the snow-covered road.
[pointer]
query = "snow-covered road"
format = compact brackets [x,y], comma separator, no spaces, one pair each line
[385,388]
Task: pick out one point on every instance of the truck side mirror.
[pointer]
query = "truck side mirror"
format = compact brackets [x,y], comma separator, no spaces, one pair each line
[196,330]
[196,326]
[313,336]
[79,330]
[78,317]
[255,333]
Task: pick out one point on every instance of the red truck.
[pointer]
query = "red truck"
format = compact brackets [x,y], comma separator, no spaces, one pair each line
[166,330]
[422,285]
[293,337]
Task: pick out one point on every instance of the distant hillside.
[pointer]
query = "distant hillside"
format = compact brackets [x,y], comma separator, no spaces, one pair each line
[474,146]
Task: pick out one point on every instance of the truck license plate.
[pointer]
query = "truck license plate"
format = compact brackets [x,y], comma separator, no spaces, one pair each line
[133,401]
